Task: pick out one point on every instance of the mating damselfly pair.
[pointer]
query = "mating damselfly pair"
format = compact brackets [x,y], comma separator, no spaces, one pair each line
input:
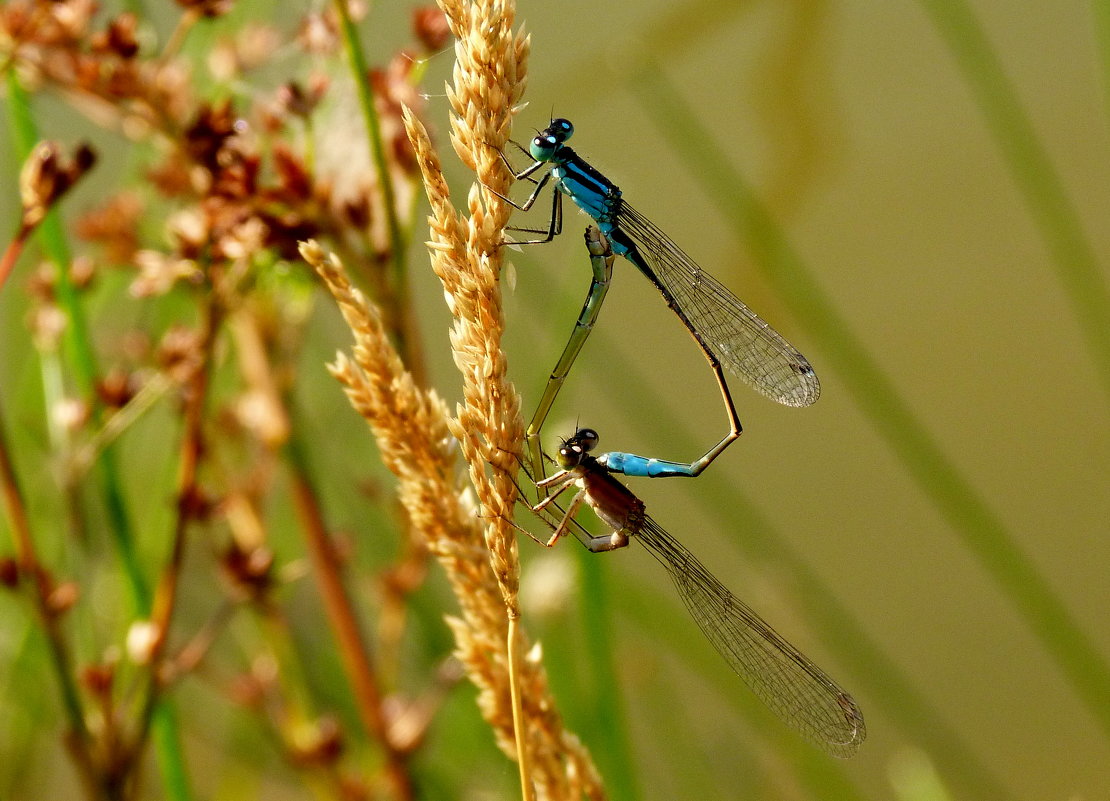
[728,333]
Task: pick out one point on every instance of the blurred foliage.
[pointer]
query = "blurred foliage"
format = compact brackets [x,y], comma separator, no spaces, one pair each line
[913,193]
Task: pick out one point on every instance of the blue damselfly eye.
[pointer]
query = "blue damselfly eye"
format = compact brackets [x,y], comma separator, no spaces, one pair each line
[561,129]
[543,146]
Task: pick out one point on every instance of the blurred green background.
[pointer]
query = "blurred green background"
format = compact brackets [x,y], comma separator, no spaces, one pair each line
[918,531]
[867,132]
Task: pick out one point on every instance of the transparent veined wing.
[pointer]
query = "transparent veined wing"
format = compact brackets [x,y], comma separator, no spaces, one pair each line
[777,672]
[744,343]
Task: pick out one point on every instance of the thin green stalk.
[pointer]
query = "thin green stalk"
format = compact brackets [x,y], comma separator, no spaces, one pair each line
[981,530]
[606,704]
[52,239]
[1077,266]
[81,356]
[360,72]
[82,743]
[79,353]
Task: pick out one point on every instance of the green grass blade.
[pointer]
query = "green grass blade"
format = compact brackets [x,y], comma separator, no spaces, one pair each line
[82,363]
[980,529]
[1077,267]
[615,758]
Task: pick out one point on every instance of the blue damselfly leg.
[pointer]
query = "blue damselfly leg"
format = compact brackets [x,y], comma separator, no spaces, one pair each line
[726,330]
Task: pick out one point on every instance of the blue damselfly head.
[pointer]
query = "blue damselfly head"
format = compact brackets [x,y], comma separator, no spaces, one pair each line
[550,139]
